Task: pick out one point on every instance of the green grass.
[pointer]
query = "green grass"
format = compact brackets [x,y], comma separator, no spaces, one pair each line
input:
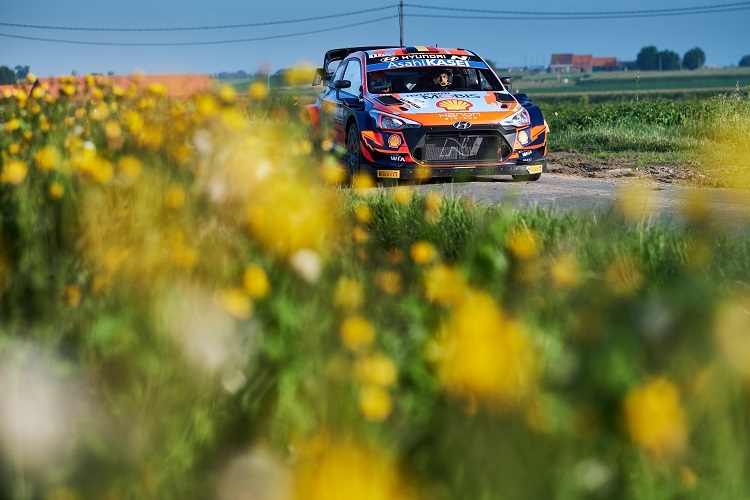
[126,314]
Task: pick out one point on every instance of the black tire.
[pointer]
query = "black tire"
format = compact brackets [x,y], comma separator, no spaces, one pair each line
[529,177]
[353,152]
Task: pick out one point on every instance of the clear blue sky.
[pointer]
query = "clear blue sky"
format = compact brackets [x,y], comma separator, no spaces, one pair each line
[508,40]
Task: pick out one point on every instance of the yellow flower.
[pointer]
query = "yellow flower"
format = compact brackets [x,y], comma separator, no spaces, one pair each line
[30,78]
[158,89]
[55,191]
[14,149]
[732,330]
[445,285]
[255,281]
[634,202]
[481,355]
[152,137]
[523,243]
[363,213]
[133,122]
[565,271]
[14,172]
[237,303]
[206,105]
[375,403]
[227,94]
[348,294]
[12,124]
[175,197]
[68,89]
[360,234]
[47,158]
[258,90]
[624,276]
[72,296]
[433,203]
[357,333]
[112,129]
[130,168]
[402,195]
[376,369]
[655,419]
[389,282]
[347,471]
[423,252]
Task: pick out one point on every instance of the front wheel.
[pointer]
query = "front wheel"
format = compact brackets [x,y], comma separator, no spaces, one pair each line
[354,154]
[529,177]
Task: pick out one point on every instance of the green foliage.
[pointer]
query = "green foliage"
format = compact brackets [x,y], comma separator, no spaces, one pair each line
[694,58]
[745,61]
[7,75]
[648,58]
[668,60]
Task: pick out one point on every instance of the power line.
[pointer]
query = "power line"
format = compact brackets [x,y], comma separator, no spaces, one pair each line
[728,7]
[178,44]
[197,28]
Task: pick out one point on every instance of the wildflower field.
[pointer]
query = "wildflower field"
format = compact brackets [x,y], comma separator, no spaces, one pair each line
[193,305]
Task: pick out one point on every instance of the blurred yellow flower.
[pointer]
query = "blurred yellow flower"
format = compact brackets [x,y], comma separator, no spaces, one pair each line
[655,419]
[152,137]
[565,271]
[301,73]
[72,296]
[112,129]
[362,182]
[423,252]
[348,293]
[389,282]
[55,191]
[375,403]
[363,213]
[12,125]
[347,471]
[14,148]
[402,195]
[68,89]
[523,243]
[133,122]
[258,90]
[479,354]
[227,94]
[360,234]
[236,303]
[158,89]
[624,276]
[255,282]
[14,172]
[30,78]
[376,369]
[357,333]
[130,168]
[206,105]
[445,285]
[175,197]
[47,158]
[732,331]
[634,202]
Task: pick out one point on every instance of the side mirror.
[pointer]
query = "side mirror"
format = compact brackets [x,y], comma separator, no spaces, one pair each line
[319,75]
[507,81]
[342,84]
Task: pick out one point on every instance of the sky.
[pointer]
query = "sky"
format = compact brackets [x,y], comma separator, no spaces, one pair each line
[507,36]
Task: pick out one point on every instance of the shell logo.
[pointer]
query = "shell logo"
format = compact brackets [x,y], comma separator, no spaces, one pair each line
[453,105]
[394,141]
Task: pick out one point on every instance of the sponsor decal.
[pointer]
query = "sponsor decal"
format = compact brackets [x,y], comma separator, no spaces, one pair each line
[397,158]
[453,105]
[422,60]
[459,116]
[394,141]
[339,115]
[389,174]
[416,102]
[412,56]
[534,169]
[462,58]
[445,95]
[524,155]
[461,125]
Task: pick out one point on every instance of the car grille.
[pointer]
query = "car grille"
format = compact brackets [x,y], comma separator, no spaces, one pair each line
[452,147]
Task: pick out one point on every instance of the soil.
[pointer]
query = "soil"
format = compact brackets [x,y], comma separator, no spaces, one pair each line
[684,173]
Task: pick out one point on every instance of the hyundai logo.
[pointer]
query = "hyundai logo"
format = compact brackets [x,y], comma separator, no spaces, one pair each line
[462,125]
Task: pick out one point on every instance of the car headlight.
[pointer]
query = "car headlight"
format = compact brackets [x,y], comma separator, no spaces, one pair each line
[518,120]
[384,121]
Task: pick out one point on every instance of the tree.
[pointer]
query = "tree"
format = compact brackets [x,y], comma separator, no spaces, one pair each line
[648,58]
[22,72]
[694,58]
[669,60]
[7,75]
[745,61]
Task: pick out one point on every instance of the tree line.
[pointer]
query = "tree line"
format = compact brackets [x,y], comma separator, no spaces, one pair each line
[652,59]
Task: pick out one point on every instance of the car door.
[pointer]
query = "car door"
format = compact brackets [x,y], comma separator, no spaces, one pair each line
[329,105]
[353,74]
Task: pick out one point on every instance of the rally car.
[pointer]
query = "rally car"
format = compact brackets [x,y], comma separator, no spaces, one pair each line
[422,112]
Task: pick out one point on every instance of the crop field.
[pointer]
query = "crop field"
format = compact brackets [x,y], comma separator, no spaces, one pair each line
[194,306]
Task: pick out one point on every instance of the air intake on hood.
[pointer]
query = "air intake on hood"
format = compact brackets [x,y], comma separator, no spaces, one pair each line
[504,97]
[389,100]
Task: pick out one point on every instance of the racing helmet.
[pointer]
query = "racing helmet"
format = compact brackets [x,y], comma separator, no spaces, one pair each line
[379,82]
[440,82]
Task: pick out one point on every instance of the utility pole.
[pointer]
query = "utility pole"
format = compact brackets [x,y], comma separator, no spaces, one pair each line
[401,22]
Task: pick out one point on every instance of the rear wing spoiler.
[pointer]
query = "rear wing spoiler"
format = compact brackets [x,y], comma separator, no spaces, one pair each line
[321,76]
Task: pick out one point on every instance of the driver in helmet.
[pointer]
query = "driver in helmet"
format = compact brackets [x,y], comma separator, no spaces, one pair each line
[443,79]
[379,82]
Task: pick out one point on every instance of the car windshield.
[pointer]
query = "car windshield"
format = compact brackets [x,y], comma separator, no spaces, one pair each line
[405,80]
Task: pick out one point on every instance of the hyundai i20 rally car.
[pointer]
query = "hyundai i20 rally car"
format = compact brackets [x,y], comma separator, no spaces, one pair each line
[422,112]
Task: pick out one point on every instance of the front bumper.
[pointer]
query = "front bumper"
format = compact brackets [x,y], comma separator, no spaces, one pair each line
[412,171]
